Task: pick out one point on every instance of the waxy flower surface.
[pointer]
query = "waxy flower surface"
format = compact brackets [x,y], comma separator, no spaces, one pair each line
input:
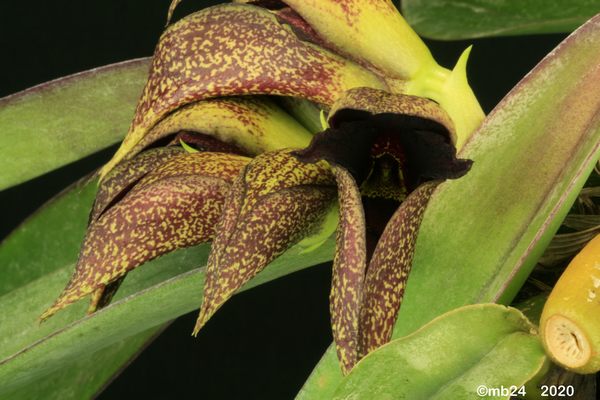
[215,154]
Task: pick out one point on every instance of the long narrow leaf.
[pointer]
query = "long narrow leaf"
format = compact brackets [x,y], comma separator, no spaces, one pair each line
[62,121]
[71,337]
[44,243]
[452,20]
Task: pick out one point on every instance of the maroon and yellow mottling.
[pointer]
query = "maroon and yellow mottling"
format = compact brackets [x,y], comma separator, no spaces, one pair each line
[173,206]
[207,164]
[252,123]
[349,265]
[236,49]
[172,7]
[276,201]
[126,174]
[388,271]
[400,141]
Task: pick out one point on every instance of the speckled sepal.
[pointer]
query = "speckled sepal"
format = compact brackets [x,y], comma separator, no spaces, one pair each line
[276,201]
[364,301]
[255,124]
[236,49]
[349,264]
[127,174]
[389,269]
[176,205]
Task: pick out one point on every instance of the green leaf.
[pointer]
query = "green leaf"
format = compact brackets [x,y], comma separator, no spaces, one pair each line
[44,243]
[450,357]
[62,121]
[86,376]
[452,20]
[482,234]
[150,296]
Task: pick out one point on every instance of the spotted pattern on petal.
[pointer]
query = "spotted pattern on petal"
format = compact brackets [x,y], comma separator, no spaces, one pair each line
[349,266]
[236,49]
[253,123]
[279,170]
[175,206]
[275,202]
[388,270]
[172,7]
[213,165]
[128,173]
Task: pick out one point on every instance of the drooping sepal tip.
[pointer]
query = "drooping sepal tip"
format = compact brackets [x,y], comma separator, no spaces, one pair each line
[275,203]
[172,7]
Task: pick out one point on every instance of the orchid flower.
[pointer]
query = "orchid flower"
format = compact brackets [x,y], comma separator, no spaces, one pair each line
[211,155]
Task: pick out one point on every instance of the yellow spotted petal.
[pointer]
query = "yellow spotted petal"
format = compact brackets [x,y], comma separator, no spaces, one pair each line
[126,174]
[276,201]
[254,124]
[176,205]
[237,49]
[388,271]
[172,7]
[349,264]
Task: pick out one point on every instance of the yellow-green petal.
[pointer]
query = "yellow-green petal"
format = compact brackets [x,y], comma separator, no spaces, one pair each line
[374,32]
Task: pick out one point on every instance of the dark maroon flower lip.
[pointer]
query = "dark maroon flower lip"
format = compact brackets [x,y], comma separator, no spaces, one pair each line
[418,138]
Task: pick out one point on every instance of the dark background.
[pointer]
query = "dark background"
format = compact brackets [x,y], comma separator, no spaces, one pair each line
[263,343]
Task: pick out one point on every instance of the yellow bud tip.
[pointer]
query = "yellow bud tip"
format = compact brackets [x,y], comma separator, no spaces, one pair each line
[566,342]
